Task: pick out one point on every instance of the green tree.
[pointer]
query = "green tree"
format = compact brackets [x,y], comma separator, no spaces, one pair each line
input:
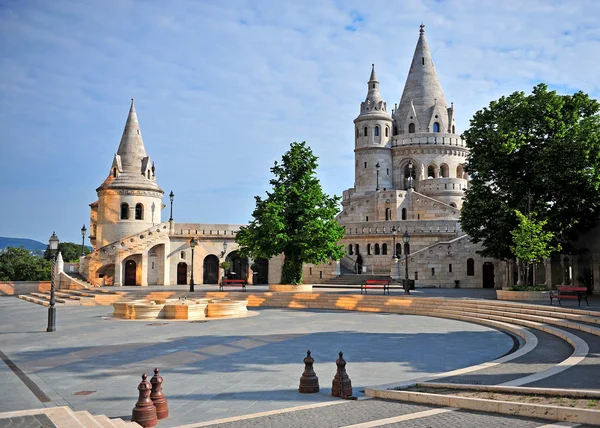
[533,153]
[296,218]
[69,250]
[16,264]
[531,241]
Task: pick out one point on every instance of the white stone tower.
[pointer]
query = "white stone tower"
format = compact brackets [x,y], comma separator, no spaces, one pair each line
[424,132]
[129,200]
[373,130]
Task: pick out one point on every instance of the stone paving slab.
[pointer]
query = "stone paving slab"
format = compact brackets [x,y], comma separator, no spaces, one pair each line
[31,421]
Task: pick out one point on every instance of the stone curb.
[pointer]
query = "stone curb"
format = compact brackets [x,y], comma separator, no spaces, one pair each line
[552,413]
[576,393]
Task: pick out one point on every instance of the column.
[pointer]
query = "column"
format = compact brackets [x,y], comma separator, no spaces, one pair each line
[548,266]
[144,269]
[166,279]
[118,282]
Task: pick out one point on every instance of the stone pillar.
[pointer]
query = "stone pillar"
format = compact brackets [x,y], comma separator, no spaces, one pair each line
[519,273]
[144,269]
[548,266]
[395,271]
[166,267]
[118,282]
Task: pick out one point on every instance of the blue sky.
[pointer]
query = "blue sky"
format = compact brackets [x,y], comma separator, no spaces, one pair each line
[223,88]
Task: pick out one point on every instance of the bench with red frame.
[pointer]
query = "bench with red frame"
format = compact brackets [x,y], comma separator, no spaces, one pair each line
[376,283]
[569,292]
[232,283]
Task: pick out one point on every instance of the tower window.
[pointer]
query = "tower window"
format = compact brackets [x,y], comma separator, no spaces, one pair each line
[387,171]
[416,276]
[432,271]
[377,131]
[423,60]
[356,132]
[365,164]
[430,171]
[403,213]
[398,248]
[365,130]
[453,129]
[368,249]
[470,267]
[450,267]
[384,249]
[124,211]
[350,252]
[411,128]
[444,170]
[114,172]
[182,255]
[395,130]
[387,131]
[367,218]
[388,214]
[436,127]
[373,85]
[376,249]
[139,212]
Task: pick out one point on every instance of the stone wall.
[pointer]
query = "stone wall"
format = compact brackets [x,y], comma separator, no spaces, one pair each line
[14,288]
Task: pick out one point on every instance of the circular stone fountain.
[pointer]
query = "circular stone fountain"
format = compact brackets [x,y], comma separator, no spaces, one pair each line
[180,309]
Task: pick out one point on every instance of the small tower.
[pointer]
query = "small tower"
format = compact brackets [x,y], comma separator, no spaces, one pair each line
[127,197]
[373,132]
[423,119]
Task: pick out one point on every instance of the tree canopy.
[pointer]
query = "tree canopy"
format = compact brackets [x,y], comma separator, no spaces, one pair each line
[532,153]
[296,218]
[70,251]
[16,264]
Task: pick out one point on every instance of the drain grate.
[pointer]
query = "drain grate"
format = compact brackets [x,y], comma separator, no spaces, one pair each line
[83,392]
[158,323]
[199,321]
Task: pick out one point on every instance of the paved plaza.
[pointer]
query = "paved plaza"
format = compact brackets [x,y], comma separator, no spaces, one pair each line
[249,367]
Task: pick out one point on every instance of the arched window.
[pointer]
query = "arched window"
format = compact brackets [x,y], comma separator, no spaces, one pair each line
[395,130]
[368,249]
[350,249]
[403,213]
[398,248]
[408,173]
[377,131]
[356,132]
[470,267]
[388,214]
[376,249]
[114,172]
[387,131]
[411,128]
[182,255]
[453,129]
[459,171]
[436,127]
[124,211]
[365,131]
[139,212]
[444,170]
[430,171]
[452,204]
[356,247]
[384,249]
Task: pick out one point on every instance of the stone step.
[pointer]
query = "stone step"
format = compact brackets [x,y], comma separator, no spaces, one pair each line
[37,300]
[46,296]
[105,421]
[87,419]
[64,295]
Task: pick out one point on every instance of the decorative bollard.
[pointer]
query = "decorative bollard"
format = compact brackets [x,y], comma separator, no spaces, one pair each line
[309,382]
[157,396]
[144,412]
[342,385]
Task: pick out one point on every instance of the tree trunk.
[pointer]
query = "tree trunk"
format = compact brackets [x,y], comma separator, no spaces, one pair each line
[291,272]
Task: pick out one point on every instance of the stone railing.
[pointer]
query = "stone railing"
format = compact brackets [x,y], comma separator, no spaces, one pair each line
[412,226]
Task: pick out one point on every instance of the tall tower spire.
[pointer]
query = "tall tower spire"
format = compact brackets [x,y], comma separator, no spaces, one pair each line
[422,94]
[131,149]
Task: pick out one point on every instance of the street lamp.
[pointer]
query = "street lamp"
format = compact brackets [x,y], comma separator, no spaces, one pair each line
[377,168]
[394,230]
[83,231]
[53,246]
[406,238]
[193,244]
[224,249]
[171,197]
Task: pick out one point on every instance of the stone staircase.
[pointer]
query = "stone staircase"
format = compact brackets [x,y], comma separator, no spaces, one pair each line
[95,297]
[62,417]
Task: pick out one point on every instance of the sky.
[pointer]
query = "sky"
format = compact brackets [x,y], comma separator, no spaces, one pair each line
[222,88]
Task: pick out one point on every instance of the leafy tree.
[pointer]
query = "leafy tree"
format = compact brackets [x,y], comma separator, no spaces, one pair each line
[296,218]
[533,153]
[16,264]
[531,241]
[69,250]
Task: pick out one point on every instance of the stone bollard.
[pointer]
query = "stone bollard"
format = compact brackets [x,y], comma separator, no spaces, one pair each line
[342,385]
[157,396]
[309,382]
[144,412]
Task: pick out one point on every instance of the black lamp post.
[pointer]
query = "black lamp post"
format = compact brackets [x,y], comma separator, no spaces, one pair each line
[224,249]
[193,244]
[171,197]
[53,246]
[410,175]
[394,230]
[377,168]
[406,238]
[83,231]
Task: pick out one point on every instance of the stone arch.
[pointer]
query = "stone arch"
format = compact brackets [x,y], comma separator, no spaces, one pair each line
[238,266]
[436,127]
[155,271]
[459,171]
[411,128]
[444,170]
[182,273]
[132,270]
[432,171]
[106,274]
[210,269]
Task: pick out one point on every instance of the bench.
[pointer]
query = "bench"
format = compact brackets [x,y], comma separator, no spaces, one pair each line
[232,283]
[376,283]
[578,293]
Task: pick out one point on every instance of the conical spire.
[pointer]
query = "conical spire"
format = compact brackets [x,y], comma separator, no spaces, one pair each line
[131,149]
[373,103]
[422,91]
[373,77]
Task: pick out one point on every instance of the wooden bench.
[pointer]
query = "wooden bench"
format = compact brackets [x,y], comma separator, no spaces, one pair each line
[232,283]
[376,283]
[578,293]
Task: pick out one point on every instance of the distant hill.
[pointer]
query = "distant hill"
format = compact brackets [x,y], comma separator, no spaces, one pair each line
[28,244]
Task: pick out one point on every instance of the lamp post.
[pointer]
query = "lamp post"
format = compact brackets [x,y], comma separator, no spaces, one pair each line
[377,168]
[394,230]
[410,175]
[224,249]
[53,246]
[83,231]
[171,197]
[406,238]
[193,244]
